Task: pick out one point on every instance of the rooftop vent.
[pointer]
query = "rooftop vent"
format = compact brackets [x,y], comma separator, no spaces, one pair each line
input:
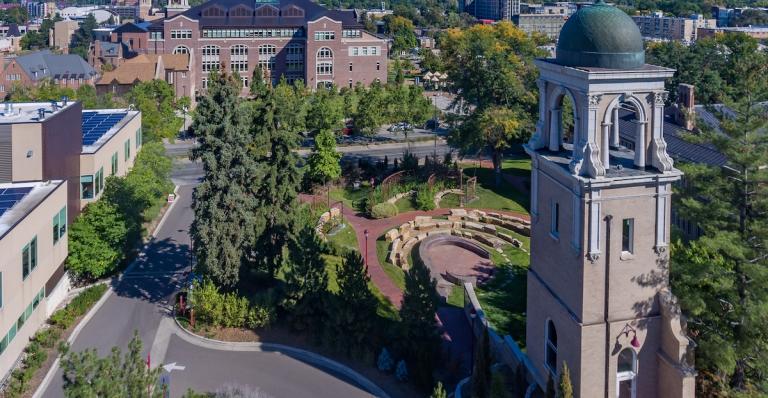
[64,100]
[41,114]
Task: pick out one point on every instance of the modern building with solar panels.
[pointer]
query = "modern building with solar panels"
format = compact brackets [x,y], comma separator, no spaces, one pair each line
[54,158]
[33,243]
[111,139]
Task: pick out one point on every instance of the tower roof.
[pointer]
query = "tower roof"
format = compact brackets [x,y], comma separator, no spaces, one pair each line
[600,36]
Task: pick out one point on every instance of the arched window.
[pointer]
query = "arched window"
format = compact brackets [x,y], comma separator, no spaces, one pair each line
[324,53]
[626,374]
[181,50]
[210,57]
[550,349]
[238,58]
[267,57]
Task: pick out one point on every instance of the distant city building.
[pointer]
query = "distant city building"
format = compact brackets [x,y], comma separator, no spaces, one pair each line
[29,70]
[658,26]
[38,10]
[494,10]
[759,33]
[546,24]
[728,16]
[546,19]
[297,39]
[60,36]
[101,14]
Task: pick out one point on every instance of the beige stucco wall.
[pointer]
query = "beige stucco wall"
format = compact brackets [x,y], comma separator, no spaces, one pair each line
[18,293]
[27,137]
[91,162]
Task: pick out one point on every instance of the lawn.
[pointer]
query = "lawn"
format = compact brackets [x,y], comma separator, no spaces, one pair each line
[517,166]
[352,198]
[395,273]
[405,204]
[343,238]
[490,196]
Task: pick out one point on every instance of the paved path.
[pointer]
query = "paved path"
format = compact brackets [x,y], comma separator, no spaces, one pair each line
[141,302]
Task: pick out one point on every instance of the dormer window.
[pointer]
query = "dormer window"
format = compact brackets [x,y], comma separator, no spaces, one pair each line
[213,11]
[240,11]
[267,11]
[293,11]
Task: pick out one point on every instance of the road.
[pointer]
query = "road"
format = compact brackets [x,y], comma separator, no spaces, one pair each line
[141,303]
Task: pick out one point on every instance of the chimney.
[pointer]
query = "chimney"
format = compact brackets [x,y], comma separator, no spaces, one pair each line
[685,115]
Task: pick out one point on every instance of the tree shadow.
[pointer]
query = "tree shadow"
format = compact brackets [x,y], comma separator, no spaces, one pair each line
[160,270]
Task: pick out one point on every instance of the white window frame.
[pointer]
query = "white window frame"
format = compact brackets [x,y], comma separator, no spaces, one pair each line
[629,248]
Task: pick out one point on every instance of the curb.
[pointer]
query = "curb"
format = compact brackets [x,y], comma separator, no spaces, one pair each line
[55,367]
[152,235]
[304,355]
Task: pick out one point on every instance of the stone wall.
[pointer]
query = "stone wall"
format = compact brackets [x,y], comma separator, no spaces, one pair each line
[473,224]
[324,218]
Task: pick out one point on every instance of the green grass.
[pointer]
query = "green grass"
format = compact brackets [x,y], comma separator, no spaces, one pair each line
[503,298]
[490,196]
[405,204]
[517,166]
[395,273]
[456,298]
[345,238]
[352,198]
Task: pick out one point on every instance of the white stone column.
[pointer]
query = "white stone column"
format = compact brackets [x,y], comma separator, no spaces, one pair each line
[640,144]
[605,147]
[555,132]
[615,127]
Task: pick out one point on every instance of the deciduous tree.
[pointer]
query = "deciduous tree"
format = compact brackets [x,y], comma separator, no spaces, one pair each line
[323,162]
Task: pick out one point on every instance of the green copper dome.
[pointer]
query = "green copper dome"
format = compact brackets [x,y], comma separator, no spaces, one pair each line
[600,36]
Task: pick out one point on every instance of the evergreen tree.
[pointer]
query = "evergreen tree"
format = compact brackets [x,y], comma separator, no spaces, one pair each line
[354,315]
[306,281]
[85,374]
[274,149]
[259,86]
[324,160]
[720,278]
[422,341]
[439,391]
[565,388]
[481,369]
[225,202]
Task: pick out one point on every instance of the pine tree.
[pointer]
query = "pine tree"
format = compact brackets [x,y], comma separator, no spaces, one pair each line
[481,370]
[306,281]
[422,341]
[226,200]
[720,278]
[273,149]
[565,388]
[323,162]
[354,315]
[439,391]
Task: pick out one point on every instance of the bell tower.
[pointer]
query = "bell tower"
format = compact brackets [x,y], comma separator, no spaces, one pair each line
[598,284]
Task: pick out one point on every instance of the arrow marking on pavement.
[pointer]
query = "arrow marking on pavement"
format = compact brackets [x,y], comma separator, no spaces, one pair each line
[172,366]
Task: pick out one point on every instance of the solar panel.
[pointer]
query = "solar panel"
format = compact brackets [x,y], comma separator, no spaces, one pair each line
[10,196]
[95,125]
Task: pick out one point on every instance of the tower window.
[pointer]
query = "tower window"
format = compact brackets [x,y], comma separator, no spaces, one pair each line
[555,227]
[627,235]
[550,350]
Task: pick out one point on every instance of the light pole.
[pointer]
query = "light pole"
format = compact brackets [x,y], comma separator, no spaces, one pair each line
[366,247]
[185,110]
[434,120]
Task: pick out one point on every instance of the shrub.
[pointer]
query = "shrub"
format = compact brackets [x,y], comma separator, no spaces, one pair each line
[228,309]
[401,372]
[384,210]
[425,198]
[385,361]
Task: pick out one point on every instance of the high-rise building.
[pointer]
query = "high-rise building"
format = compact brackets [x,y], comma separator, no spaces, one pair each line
[660,27]
[494,10]
[598,284]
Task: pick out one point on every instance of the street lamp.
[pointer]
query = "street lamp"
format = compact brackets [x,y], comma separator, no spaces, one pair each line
[185,110]
[366,247]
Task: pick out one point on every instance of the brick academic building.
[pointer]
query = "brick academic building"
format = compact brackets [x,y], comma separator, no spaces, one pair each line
[297,39]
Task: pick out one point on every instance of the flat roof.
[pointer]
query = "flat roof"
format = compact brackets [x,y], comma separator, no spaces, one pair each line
[100,125]
[21,198]
[29,112]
